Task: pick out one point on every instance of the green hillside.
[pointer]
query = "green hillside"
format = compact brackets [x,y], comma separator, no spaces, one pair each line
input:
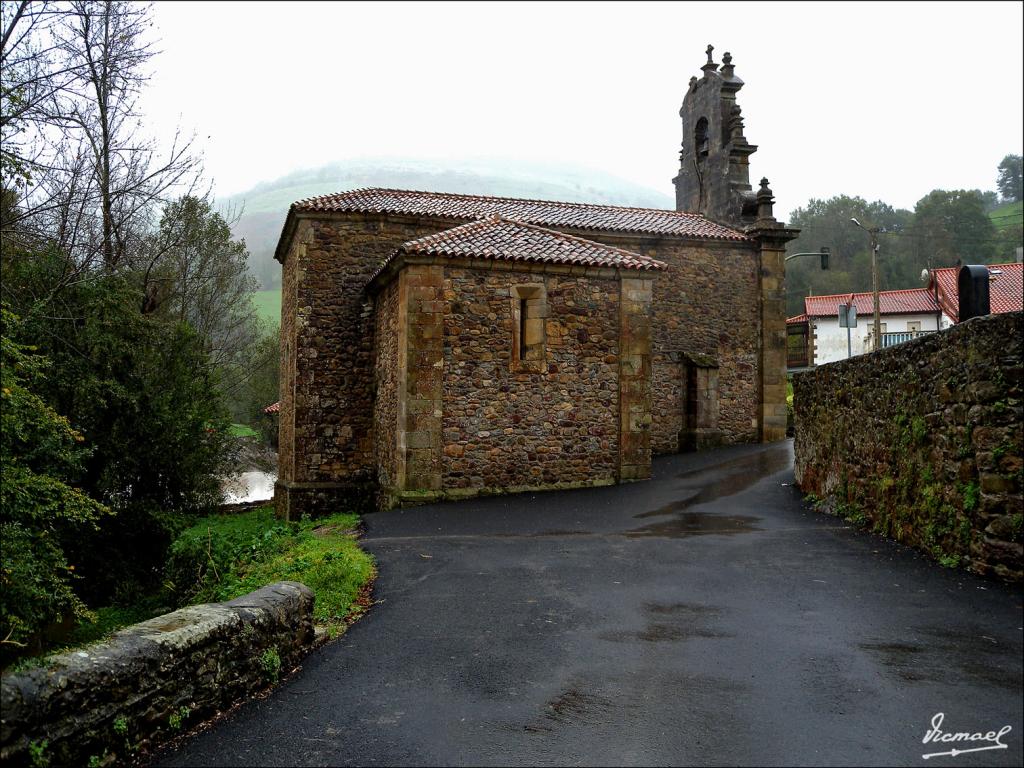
[268,305]
[1008,216]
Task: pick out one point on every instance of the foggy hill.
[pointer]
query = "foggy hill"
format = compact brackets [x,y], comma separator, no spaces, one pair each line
[265,205]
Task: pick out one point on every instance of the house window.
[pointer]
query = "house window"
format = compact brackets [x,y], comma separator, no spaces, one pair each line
[529,316]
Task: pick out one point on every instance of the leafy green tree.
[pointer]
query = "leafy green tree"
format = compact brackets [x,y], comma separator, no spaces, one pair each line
[145,397]
[199,275]
[953,226]
[1011,178]
[260,387]
[1009,239]
[41,509]
[989,199]
[828,223]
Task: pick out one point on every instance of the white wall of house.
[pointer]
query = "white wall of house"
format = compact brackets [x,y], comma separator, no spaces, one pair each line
[830,344]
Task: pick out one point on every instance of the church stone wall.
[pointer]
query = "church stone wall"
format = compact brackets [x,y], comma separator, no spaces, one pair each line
[507,429]
[387,379]
[329,321]
[705,304]
[286,415]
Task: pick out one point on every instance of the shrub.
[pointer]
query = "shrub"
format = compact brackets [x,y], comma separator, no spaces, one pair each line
[223,557]
[143,395]
[205,561]
[40,510]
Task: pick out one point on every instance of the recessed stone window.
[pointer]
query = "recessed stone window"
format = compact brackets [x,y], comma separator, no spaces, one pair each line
[529,317]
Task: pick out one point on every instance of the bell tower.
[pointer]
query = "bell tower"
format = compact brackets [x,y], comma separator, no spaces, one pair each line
[714,163]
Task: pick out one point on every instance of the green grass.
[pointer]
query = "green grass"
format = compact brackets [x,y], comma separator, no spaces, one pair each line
[226,556]
[268,305]
[241,430]
[222,557]
[1008,216]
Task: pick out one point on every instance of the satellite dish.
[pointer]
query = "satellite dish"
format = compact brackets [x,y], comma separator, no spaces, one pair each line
[924,275]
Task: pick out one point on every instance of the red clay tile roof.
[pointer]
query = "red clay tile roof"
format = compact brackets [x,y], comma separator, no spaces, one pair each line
[798,319]
[1005,289]
[545,213]
[507,240]
[273,408]
[904,302]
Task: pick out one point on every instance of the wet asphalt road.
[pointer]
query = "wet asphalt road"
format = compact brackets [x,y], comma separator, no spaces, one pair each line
[705,617]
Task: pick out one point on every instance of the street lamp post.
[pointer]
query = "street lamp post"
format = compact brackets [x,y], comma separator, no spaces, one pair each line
[877,332]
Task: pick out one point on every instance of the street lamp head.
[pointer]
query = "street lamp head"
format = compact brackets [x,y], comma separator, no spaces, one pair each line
[857,223]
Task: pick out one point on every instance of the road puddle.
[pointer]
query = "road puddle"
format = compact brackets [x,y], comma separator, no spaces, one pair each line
[948,656]
[708,484]
[671,623]
[569,707]
[696,524]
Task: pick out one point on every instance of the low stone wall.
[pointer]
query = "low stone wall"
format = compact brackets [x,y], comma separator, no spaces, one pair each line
[922,441]
[151,681]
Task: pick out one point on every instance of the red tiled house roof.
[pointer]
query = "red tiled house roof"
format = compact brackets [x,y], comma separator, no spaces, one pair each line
[903,302]
[504,240]
[1005,289]
[273,408]
[545,213]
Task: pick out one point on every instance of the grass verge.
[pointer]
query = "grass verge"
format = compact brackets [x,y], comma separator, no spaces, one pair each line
[222,557]
[242,430]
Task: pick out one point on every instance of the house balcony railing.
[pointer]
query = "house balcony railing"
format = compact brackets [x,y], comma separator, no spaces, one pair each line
[892,339]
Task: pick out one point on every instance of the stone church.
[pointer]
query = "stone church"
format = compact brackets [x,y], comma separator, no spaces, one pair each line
[441,346]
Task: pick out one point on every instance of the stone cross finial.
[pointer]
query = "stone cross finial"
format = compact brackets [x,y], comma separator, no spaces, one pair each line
[710,66]
[727,58]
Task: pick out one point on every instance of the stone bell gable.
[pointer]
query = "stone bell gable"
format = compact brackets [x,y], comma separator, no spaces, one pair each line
[714,175]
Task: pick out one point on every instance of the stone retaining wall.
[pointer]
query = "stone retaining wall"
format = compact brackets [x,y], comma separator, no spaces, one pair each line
[922,441]
[153,680]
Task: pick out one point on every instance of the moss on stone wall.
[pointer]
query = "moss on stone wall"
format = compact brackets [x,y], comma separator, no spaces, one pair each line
[922,442]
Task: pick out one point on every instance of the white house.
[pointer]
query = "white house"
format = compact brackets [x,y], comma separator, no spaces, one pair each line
[815,337]
[904,315]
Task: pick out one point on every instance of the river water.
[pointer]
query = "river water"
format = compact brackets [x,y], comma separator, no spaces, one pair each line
[247,487]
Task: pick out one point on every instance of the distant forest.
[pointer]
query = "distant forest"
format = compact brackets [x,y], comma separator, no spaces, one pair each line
[944,229]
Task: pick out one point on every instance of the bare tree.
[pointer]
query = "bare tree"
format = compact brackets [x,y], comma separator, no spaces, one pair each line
[87,174]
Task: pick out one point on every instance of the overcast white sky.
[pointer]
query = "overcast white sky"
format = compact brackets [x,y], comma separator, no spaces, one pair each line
[883,100]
